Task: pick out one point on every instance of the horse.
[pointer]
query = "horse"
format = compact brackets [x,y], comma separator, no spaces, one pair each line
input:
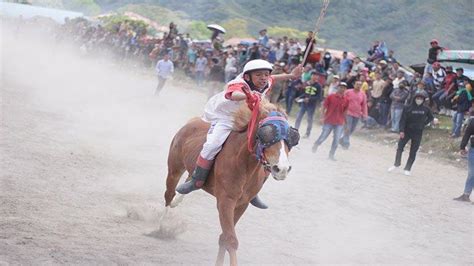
[239,169]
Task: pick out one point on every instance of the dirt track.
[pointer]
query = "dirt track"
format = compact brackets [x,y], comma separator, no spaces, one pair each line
[83,168]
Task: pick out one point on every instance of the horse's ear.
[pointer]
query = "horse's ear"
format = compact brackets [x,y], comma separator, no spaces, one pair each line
[282,111]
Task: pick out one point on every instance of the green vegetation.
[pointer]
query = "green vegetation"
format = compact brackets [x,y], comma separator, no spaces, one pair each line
[406,25]
[110,22]
[89,7]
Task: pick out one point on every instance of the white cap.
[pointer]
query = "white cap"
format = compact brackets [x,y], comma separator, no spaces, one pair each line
[336,77]
[257,64]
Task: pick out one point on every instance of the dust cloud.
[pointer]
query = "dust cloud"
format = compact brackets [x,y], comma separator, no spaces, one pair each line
[83,165]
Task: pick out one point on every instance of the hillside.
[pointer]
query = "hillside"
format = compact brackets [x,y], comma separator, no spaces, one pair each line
[406,25]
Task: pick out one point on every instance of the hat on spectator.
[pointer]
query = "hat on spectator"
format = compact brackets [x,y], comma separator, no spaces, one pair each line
[336,77]
[383,62]
[343,84]
[460,69]
[434,41]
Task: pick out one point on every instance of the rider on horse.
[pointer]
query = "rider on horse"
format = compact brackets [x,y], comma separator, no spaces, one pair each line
[219,111]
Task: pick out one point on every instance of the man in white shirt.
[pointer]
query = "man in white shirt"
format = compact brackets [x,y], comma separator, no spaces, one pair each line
[230,67]
[201,65]
[164,68]
[400,77]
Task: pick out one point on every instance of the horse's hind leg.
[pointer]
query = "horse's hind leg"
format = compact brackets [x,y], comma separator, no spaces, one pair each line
[175,172]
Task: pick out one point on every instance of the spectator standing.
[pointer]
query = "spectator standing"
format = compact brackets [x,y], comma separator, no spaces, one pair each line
[312,95]
[390,59]
[432,54]
[377,87]
[464,103]
[216,78]
[345,65]
[357,67]
[201,66]
[263,39]
[469,185]
[230,67]
[414,119]
[327,60]
[334,109]
[306,76]
[438,76]
[277,89]
[334,85]
[400,77]
[356,110]
[399,97]
[310,42]
[164,69]
[384,69]
[295,86]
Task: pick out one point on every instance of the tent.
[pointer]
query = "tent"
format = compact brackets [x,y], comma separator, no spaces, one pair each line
[236,41]
[457,56]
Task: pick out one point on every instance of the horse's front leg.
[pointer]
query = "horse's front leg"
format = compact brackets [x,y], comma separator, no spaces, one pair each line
[221,253]
[228,239]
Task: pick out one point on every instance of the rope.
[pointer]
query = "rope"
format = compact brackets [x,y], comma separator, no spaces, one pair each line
[317,27]
[255,108]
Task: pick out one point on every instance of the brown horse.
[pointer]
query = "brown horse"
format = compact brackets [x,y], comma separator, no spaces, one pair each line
[237,176]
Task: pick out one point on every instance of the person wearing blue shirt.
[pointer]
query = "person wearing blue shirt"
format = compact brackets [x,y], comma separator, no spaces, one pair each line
[345,65]
[263,39]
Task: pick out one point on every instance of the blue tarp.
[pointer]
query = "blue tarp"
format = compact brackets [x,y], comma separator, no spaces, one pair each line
[29,11]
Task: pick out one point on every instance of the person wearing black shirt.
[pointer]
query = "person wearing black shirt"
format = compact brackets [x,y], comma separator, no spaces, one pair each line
[309,44]
[385,102]
[313,94]
[433,51]
[432,55]
[468,135]
[414,119]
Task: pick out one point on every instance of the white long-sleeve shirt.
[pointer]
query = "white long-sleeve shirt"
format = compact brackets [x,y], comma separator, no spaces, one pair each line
[164,68]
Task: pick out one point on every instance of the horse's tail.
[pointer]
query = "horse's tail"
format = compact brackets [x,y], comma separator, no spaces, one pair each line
[176,169]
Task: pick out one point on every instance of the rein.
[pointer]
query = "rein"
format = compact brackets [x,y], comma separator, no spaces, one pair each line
[255,108]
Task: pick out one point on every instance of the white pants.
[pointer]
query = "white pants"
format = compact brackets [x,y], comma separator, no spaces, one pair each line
[216,137]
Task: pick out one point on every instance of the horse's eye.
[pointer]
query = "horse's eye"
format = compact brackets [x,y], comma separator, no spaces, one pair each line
[266,134]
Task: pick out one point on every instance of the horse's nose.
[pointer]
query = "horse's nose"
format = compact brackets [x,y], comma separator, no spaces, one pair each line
[276,169]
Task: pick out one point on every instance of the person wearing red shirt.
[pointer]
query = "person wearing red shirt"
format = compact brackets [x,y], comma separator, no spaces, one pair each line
[356,110]
[334,109]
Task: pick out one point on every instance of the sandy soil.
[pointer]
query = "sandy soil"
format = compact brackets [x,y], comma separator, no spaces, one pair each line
[83,166]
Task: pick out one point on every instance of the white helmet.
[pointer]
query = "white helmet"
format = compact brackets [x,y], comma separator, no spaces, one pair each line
[257,64]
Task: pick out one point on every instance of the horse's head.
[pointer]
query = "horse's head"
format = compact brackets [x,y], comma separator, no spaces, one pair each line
[275,138]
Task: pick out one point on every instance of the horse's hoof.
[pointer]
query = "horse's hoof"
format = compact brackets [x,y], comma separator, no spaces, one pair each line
[257,202]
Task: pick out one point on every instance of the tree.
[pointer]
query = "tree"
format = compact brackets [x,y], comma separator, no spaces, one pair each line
[198,30]
[236,27]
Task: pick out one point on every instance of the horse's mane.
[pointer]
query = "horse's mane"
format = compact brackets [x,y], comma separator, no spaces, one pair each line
[243,115]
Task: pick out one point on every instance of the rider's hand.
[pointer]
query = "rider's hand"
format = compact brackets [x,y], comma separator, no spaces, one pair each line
[297,71]
[253,98]
[463,152]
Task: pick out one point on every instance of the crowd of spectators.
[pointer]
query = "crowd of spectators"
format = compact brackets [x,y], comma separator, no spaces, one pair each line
[388,86]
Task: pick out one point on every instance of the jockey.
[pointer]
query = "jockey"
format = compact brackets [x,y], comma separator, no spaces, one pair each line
[219,112]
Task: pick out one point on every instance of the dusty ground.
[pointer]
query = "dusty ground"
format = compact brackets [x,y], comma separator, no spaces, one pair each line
[83,166]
